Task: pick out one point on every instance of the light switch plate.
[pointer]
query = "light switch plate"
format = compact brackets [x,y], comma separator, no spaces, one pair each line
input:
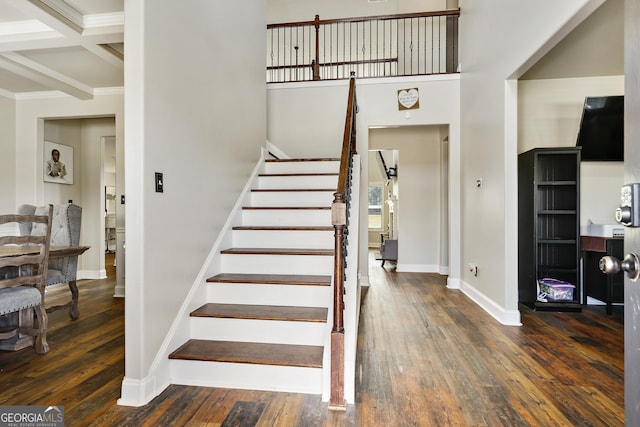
[159,182]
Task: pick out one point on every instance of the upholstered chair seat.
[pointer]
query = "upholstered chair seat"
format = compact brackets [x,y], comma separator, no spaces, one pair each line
[23,267]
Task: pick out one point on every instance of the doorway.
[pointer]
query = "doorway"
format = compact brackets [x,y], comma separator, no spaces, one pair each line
[94,164]
[416,195]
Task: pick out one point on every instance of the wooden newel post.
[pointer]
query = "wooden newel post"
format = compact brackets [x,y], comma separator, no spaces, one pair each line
[315,64]
[339,221]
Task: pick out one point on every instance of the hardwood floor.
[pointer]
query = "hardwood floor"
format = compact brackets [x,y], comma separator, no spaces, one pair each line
[427,356]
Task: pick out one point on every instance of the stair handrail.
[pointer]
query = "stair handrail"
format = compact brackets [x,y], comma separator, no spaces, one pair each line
[406,44]
[339,219]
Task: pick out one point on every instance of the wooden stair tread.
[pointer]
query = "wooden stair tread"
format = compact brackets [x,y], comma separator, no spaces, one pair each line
[286,207]
[285,228]
[262,312]
[253,353]
[278,251]
[300,174]
[271,279]
[328,159]
[297,190]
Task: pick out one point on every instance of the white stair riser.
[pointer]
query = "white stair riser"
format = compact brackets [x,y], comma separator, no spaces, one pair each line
[277,264]
[282,217]
[292,198]
[300,181]
[251,293]
[247,376]
[302,167]
[283,239]
[262,331]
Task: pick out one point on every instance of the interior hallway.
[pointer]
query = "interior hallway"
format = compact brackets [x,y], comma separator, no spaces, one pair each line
[427,356]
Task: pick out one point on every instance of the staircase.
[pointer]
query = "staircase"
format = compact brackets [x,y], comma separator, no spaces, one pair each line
[265,325]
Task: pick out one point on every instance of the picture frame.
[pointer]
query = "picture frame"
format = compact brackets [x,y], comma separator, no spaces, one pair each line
[57,167]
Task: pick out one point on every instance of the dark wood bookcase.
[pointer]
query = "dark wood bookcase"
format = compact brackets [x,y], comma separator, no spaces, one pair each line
[549,223]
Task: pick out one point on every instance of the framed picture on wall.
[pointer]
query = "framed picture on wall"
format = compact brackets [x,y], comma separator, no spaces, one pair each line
[58,163]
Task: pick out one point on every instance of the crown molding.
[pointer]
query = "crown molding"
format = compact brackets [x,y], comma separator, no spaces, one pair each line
[64,9]
[115,19]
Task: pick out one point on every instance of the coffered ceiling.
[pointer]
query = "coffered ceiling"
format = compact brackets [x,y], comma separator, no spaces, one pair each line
[72,46]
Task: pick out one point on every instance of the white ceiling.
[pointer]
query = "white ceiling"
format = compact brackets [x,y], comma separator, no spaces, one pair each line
[72,46]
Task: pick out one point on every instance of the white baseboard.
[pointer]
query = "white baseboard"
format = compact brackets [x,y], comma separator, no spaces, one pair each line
[506,317]
[364,280]
[453,283]
[138,392]
[417,268]
[273,149]
[118,291]
[91,274]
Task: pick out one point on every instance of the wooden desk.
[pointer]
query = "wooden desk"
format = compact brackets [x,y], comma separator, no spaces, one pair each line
[21,341]
[605,287]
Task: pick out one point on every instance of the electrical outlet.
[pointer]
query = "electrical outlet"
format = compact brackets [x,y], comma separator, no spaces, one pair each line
[473,269]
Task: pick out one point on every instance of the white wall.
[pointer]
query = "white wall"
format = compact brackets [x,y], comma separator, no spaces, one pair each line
[8,153]
[195,105]
[499,40]
[289,110]
[549,113]
[307,119]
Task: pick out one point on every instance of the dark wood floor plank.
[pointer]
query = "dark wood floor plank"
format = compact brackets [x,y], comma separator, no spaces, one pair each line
[244,414]
[427,356]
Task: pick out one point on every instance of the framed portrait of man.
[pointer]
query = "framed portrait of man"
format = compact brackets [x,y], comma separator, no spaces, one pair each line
[58,163]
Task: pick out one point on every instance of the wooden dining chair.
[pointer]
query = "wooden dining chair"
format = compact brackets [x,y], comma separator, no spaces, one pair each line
[65,231]
[23,267]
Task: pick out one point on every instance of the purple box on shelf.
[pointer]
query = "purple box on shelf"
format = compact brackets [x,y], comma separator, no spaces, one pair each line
[556,290]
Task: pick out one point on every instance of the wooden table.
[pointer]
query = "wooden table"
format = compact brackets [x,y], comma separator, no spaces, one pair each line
[22,341]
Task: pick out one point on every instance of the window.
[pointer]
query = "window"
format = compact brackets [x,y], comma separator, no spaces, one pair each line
[375,207]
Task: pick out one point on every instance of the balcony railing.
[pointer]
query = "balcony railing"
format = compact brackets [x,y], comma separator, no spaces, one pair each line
[375,46]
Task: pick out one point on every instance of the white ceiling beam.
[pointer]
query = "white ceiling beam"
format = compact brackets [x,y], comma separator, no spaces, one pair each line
[25,67]
[15,44]
[100,28]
